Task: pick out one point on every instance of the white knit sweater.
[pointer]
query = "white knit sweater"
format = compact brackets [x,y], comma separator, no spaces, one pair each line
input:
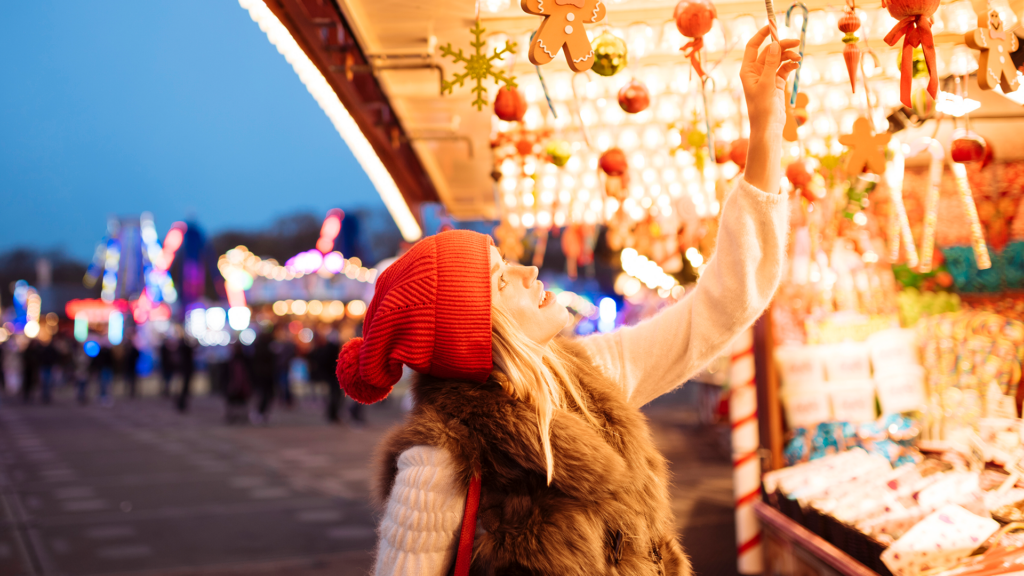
[419,532]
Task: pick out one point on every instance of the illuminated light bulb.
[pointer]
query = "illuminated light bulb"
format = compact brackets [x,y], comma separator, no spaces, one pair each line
[654,137]
[596,204]
[646,202]
[636,191]
[649,176]
[629,204]
[583,195]
[559,219]
[547,197]
[508,184]
[611,205]
[715,207]
[533,119]
[513,219]
[544,218]
[568,181]
[574,164]
[666,211]
[32,328]
[590,217]
[510,200]
[298,307]
[664,200]
[638,161]
[529,166]
[528,220]
[654,190]
[675,189]
[673,139]
[613,115]
[565,196]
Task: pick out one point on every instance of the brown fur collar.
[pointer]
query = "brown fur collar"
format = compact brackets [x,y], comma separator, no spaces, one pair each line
[607,509]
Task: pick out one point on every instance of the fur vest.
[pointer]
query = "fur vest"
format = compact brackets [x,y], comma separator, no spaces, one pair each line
[607,510]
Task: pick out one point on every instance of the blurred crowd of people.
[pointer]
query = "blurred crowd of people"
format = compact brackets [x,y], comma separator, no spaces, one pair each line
[251,378]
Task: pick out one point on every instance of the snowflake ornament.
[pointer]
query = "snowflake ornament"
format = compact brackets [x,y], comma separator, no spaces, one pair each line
[479,66]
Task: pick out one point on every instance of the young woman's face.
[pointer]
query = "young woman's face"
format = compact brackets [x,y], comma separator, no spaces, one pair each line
[517,290]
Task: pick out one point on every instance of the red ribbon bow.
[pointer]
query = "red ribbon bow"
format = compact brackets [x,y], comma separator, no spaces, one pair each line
[694,47]
[918,32]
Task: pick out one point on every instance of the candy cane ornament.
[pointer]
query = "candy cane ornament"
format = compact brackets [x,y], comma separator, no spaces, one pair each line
[931,203]
[963,187]
[894,178]
[773,26]
[803,43]
[746,466]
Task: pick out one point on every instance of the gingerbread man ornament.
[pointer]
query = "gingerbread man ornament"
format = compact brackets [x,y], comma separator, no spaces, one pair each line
[995,67]
[867,149]
[795,117]
[562,28]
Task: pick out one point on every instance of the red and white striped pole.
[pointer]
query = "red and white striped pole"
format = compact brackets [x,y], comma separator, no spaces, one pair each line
[746,466]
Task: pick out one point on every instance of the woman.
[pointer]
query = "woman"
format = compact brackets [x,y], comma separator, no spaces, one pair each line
[546,434]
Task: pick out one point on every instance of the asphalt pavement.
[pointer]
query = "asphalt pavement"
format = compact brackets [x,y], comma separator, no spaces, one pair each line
[137,489]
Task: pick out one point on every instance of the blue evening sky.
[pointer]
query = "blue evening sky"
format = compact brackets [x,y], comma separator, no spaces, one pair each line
[177,107]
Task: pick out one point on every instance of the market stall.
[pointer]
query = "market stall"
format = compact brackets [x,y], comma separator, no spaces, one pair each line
[881,392]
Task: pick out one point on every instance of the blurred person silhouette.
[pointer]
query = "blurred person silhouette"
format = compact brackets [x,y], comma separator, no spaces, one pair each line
[238,387]
[322,363]
[103,367]
[49,369]
[187,367]
[81,370]
[263,374]
[284,350]
[30,358]
[129,365]
[168,361]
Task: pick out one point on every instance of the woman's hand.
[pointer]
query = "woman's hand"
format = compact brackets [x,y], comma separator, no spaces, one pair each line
[764,86]
[764,80]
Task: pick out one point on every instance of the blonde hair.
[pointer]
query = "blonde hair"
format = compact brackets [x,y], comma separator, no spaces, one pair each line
[537,374]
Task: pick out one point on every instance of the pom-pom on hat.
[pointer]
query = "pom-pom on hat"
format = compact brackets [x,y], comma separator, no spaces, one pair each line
[431,310]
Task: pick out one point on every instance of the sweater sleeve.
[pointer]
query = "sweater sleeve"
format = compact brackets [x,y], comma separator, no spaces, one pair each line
[661,353]
[424,512]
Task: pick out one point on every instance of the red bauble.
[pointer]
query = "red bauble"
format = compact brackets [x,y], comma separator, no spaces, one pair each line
[721,152]
[738,152]
[634,97]
[524,147]
[694,17]
[967,147]
[613,162]
[798,174]
[851,54]
[900,9]
[510,104]
[849,23]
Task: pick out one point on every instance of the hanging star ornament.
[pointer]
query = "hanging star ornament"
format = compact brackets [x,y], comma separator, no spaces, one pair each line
[479,66]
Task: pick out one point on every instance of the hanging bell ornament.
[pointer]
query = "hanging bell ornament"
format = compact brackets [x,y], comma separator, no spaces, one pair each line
[967,147]
[694,19]
[510,104]
[559,152]
[613,162]
[849,24]
[634,97]
[609,54]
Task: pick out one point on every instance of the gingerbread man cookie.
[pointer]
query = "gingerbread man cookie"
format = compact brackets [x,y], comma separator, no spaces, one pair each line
[795,117]
[562,28]
[995,67]
[867,149]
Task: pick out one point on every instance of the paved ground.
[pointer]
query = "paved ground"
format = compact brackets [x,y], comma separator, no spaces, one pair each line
[137,489]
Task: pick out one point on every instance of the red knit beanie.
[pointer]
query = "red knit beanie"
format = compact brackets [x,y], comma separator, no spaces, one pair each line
[431,310]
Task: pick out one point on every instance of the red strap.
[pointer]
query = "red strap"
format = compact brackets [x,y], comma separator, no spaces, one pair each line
[468,528]
[694,47]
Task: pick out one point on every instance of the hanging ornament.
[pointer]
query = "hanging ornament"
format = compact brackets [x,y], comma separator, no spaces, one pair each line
[931,201]
[981,255]
[967,146]
[901,223]
[609,54]
[796,116]
[721,152]
[479,66]
[800,177]
[803,44]
[694,19]
[867,149]
[510,104]
[738,152]
[849,24]
[562,29]
[634,97]
[915,24]
[613,162]
[559,152]
[995,67]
